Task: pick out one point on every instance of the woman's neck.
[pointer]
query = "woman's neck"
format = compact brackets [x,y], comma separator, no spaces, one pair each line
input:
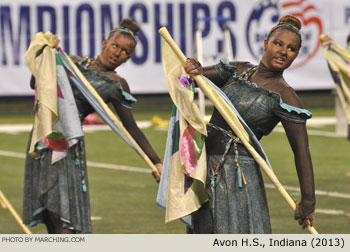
[100,66]
[265,72]
[268,79]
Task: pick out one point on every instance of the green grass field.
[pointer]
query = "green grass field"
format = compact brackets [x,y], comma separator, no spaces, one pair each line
[124,201]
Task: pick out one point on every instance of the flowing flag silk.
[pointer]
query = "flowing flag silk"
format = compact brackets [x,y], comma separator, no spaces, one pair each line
[171,52]
[175,86]
[339,63]
[94,102]
[46,87]
[57,124]
[182,186]
[101,108]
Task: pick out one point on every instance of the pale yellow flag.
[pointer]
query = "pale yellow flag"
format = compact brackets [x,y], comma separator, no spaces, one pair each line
[43,68]
[339,61]
[181,96]
[188,167]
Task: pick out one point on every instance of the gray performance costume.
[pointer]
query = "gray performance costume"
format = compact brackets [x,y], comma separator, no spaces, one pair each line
[59,187]
[234,209]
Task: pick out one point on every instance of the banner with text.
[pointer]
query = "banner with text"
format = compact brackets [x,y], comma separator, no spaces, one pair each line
[82,26]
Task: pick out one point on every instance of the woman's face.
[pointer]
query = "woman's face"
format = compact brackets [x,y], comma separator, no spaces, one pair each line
[280,50]
[116,50]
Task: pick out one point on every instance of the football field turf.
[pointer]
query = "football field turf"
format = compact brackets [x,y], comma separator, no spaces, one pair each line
[123,199]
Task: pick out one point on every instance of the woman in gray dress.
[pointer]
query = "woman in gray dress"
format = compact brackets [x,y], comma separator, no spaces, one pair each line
[58,194]
[237,202]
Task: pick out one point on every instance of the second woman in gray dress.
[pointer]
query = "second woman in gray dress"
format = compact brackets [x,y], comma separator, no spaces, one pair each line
[237,203]
[58,194]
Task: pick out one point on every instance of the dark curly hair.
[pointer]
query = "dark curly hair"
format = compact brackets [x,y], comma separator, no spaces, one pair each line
[288,22]
[127,26]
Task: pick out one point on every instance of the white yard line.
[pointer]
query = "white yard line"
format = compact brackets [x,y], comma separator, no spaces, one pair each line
[17,128]
[89,163]
[312,132]
[118,167]
[12,154]
[317,121]
[330,212]
[318,192]
[145,170]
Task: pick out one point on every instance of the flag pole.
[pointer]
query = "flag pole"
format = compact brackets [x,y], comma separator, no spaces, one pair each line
[112,116]
[6,204]
[232,120]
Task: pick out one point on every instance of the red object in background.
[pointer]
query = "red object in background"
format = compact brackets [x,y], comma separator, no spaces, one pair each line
[92,120]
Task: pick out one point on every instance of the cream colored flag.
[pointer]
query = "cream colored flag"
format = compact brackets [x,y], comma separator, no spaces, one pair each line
[42,63]
[339,61]
[188,169]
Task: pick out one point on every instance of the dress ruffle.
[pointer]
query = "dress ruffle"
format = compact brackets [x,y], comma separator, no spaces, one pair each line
[124,97]
[287,112]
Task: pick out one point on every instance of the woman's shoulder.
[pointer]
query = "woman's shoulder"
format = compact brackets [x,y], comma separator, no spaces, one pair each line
[289,95]
[241,66]
[116,77]
[291,106]
[76,58]
[226,69]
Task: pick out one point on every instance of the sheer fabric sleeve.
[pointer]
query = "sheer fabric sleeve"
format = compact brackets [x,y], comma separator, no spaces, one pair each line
[293,119]
[298,139]
[220,73]
[128,120]
[290,107]
[129,123]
